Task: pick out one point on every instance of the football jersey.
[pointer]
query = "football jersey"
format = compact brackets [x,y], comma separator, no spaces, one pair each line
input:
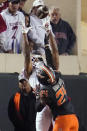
[57,99]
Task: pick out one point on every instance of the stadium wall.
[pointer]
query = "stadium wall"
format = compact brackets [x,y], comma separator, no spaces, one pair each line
[84,10]
[69,65]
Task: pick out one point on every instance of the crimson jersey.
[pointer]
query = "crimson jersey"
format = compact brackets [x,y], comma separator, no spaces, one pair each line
[56,98]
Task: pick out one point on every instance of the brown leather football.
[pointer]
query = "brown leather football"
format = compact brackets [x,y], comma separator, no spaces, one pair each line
[42,12]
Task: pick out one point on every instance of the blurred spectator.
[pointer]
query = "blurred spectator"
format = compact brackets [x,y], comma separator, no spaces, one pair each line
[22,3]
[3,4]
[10,38]
[64,34]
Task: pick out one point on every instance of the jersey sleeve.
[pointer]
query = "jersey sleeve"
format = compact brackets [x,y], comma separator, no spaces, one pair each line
[3,25]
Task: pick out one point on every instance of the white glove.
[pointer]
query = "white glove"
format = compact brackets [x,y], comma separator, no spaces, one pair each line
[47,27]
[26,29]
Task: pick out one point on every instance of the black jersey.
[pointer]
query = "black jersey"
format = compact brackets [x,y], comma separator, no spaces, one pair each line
[56,98]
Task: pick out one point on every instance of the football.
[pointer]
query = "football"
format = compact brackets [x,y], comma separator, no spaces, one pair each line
[42,12]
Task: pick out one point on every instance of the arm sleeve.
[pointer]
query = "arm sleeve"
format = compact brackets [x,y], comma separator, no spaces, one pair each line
[48,54]
[49,57]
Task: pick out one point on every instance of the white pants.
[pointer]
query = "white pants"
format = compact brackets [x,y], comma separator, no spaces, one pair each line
[43,119]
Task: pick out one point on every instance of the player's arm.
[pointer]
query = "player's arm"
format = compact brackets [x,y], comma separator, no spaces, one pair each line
[54,50]
[48,53]
[27,61]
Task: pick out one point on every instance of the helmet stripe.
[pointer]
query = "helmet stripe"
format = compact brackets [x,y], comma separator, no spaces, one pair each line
[49,73]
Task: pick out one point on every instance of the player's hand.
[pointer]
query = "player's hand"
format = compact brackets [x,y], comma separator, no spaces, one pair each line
[47,27]
[26,29]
